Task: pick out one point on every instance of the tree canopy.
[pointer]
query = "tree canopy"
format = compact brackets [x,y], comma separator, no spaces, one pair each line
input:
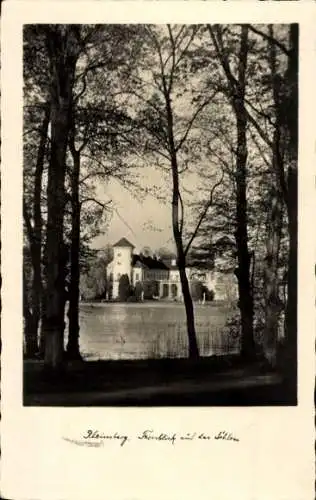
[213,109]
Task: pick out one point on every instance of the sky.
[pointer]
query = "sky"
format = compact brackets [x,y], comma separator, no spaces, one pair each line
[133,219]
[144,222]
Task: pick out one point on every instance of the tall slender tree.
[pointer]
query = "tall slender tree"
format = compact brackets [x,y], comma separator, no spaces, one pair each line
[63,50]
[236,93]
[35,133]
[275,215]
[96,138]
[34,227]
[170,134]
[290,110]
[286,110]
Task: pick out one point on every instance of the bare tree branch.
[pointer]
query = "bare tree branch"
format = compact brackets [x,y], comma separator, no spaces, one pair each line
[218,44]
[182,212]
[173,56]
[98,173]
[269,38]
[104,206]
[194,117]
[259,148]
[259,129]
[144,99]
[194,32]
[162,64]
[203,214]
[84,87]
[29,227]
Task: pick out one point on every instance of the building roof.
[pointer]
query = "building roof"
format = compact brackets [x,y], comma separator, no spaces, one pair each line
[123,242]
[148,262]
[137,264]
[170,262]
[174,267]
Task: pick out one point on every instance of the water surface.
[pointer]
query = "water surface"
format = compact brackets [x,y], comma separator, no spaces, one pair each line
[151,330]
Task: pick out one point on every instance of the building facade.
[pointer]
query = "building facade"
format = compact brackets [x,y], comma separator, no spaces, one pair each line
[163,275]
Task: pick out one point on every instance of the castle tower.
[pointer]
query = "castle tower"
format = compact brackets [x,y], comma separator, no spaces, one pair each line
[122,263]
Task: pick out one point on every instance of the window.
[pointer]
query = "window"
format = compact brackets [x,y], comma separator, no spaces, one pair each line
[118,263]
[137,277]
[119,254]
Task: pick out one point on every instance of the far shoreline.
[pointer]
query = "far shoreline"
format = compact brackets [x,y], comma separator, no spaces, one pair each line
[155,303]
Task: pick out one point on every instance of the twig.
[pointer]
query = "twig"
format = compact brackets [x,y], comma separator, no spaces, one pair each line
[270,39]
[207,206]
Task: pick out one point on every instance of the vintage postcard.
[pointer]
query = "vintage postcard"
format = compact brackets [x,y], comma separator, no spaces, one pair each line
[158,251]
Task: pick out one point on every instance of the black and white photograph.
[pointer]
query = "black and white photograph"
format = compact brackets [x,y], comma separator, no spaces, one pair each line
[160,202]
[157,250]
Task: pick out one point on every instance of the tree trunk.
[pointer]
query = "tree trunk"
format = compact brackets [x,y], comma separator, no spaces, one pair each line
[73,351]
[291,308]
[177,233]
[181,261]
[271,278]
[244,280]
[34,233]
[53,318]
[236,95]
[241,235]
[188,304]
[63,63]
[36,248]
[30,333]
[291,115]
[274,220]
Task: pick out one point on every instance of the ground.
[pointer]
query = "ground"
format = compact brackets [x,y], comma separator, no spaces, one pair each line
[212,381]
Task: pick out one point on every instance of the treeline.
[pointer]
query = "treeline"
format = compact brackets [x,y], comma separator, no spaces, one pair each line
[218,102]
[95,286]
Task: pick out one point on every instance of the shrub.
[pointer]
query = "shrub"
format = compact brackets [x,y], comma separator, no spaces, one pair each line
[132,298]
[149,288]
[138,290]
[210,294]
[197,290]
[124,288]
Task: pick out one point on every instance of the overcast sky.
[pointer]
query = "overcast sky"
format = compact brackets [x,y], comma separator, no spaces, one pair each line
[143,222]
[147,222]
[134,219]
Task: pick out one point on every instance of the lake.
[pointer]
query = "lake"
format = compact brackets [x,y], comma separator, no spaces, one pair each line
[151,330]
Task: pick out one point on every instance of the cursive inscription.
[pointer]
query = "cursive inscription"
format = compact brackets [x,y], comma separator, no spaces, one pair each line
[94,434]
[96,438]
[226,436]
[189,436]
[149,435]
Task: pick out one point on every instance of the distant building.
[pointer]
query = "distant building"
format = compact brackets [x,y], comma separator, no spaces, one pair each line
[163,274]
